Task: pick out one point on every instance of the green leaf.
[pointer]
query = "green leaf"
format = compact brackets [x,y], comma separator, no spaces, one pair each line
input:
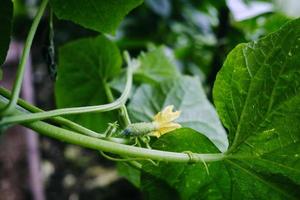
[257,94]
[227,179]
[187,95]
[185,180]
[83,67]
[6,10]
[156,66]
[257,91]
[103,16]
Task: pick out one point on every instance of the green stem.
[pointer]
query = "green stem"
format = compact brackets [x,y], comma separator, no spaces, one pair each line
[107,146]
[25,54]
[109,95]
[123,110]
[62,121]
[76,110]
[120,159]
[125,115]
[120,149]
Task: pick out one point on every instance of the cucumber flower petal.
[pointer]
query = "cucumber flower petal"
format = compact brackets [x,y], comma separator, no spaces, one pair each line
[164,121]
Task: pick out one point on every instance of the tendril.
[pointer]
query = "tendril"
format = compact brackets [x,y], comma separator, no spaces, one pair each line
[127,159]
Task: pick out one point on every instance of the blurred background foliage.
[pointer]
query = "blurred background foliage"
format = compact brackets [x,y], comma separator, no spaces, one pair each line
[196,35]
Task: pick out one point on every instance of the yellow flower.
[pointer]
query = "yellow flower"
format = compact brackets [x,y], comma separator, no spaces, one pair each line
[164,121]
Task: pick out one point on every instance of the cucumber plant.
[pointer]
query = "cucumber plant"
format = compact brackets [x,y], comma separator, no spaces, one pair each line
[157,121]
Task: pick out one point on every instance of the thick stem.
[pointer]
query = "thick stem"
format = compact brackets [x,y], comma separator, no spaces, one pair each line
[62,121]
[25,54]
[107,146]
[120,149]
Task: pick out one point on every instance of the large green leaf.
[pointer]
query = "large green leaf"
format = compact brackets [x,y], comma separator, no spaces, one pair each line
[6,14]
[83,67]
[99,15]
[187,95]
[227,179]
[257,94]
